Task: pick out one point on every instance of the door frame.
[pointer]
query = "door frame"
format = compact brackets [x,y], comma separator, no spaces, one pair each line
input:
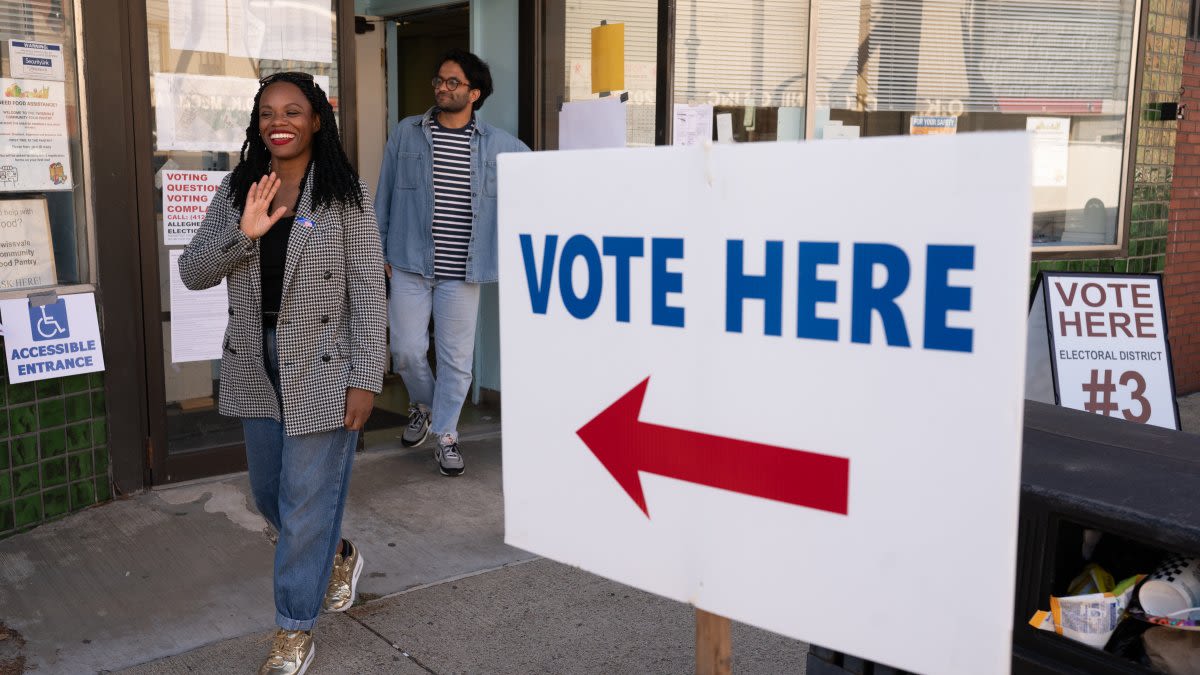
[136,378]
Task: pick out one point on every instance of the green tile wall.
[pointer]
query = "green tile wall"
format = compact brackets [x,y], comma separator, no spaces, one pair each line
[1162,74]
[53,449]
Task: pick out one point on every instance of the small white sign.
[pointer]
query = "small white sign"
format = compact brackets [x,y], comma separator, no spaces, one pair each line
[932,125]
[186,196]
[1107,346]
[53,340]
[26,249]
[36,60]
[686,380]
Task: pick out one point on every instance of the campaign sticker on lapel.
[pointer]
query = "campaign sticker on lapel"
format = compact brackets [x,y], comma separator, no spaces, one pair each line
[305,222]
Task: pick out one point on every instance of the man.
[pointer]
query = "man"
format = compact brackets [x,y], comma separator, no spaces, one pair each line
[436,207]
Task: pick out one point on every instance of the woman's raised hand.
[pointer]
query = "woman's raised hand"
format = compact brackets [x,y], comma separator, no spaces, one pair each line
[255,219]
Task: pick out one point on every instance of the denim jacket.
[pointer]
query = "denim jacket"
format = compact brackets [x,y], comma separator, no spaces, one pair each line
[404,200]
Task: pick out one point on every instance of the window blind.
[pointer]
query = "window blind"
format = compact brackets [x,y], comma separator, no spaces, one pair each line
[955,56]
[752,53]
[32,20]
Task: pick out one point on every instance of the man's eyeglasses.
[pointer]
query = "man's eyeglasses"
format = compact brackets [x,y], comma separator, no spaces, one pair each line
[451,83]
[285,76]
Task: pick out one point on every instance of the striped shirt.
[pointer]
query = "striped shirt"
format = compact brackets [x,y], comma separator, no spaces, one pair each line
[452,210]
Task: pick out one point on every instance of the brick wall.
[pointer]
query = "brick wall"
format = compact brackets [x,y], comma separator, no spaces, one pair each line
[1182,278]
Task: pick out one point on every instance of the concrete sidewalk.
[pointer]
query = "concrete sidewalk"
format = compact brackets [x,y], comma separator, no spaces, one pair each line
[534,617]
[178,580]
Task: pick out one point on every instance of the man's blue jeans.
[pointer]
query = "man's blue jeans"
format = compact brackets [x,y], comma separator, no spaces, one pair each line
[299,485]
[454,306]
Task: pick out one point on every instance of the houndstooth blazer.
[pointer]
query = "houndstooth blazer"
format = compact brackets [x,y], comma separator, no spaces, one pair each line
[332,316]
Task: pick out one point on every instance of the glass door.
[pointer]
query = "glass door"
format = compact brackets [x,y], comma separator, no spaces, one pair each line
[205,60]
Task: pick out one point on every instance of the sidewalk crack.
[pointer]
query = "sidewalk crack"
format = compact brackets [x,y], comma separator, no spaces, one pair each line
[393,645]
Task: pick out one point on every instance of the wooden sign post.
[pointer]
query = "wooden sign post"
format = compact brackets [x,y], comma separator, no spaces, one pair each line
[714,650]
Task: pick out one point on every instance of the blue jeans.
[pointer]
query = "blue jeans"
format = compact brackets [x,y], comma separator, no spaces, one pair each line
[454,306]
[299,485]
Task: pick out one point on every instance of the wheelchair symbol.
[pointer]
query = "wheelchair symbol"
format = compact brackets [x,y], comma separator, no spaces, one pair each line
[48,327]
[49,322]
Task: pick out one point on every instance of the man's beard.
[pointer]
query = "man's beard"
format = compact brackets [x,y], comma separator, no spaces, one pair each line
[451,104]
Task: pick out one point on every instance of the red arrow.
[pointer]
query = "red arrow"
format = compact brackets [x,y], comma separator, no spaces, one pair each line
[626,446]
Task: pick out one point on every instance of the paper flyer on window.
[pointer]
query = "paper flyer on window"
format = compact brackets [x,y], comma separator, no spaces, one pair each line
[205,113]
[197,25]
[26,249]
[1051,142]
[186,196]
[281,30]
[35,144]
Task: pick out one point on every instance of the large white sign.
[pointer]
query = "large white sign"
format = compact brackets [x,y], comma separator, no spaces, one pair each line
[35,152]
[1106,339]
[26,248]
[186,196]
[746,387]
[52,340]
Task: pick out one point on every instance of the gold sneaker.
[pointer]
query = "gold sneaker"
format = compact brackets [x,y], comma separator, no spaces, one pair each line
[343,581]
[291,653]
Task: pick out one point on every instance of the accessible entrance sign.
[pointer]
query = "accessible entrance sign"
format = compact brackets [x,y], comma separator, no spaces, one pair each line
[781,382]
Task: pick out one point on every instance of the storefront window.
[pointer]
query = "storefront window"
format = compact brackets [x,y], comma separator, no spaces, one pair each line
[206,59]
[1057,68]
[1060,69]
[747,61]
[43,217]
[568,36]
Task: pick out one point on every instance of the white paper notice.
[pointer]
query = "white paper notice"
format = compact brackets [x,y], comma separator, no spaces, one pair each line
[36,60]
[281,30]
[198,318]
[186,195]
[1051,140]
[693,124]
[35,153]
[197,25]
[724,128]
[598,123]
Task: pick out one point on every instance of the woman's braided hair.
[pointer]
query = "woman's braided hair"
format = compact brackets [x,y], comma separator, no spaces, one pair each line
[335,179]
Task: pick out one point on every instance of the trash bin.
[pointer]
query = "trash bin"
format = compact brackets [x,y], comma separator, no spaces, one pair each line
[1137,485]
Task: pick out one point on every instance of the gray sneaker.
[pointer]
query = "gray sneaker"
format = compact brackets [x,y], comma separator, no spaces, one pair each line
[418,426]
[448,457]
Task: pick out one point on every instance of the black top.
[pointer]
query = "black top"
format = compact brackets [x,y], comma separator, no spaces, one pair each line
[273,256]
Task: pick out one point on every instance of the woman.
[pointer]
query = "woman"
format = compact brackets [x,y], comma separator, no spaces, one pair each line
[293,231]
